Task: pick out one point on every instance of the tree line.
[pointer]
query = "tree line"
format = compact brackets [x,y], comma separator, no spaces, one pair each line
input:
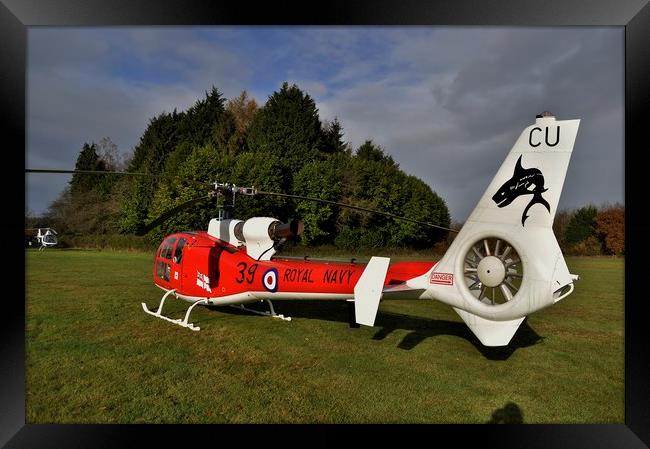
[591,230]
[282,146]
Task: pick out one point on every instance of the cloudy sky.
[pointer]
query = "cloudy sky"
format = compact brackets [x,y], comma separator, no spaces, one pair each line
[446,102]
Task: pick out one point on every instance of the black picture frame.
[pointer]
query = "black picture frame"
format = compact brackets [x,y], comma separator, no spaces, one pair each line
[634,15]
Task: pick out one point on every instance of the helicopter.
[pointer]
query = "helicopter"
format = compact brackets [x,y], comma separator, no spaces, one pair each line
[46,237]
[504,264]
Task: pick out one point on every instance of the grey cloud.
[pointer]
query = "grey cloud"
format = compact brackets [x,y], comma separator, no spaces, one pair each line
[446,102]
[479,89]
[73,47]
[75,95]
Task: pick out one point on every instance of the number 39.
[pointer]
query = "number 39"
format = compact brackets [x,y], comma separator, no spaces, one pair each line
[244,274]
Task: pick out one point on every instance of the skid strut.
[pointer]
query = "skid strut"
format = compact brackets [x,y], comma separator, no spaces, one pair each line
[183,322]
[271,313]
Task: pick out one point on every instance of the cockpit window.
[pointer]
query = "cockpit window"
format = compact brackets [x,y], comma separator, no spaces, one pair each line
[178,254]
[167,247]
[163,269]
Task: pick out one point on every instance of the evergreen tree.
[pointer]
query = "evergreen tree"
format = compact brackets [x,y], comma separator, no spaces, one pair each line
[421,204]
[173,134]
[157,141]
[198,122]
[582,225]
[322,180]
[205,164]
[88,159]
[371,152]
[287,126]
[333,138]
[135,206]
[225,135]
[283,148]
[377,185]
[263,171]
[149,156]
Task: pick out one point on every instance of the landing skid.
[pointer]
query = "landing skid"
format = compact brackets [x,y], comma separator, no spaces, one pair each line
[271,313]
[183,322]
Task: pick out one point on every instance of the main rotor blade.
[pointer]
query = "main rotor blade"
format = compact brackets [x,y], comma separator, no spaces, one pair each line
[204,184]
[87,172]
[397,217]
[170,212]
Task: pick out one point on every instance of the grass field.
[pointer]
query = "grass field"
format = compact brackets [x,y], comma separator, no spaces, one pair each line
[93,355]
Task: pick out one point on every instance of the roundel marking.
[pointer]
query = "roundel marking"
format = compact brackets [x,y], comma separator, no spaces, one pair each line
[270,280]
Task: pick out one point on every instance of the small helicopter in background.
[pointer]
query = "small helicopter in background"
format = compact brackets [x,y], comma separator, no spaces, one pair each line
[504,264]
[45,237]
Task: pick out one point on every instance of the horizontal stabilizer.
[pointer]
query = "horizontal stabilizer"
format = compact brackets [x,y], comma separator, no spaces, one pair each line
[491,333]
[367,292]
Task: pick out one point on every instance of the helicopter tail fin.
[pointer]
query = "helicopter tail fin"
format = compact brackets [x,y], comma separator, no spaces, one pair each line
[368,290]
[505,262]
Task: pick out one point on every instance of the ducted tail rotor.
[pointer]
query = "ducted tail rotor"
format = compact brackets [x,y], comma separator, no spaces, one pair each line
[493,271]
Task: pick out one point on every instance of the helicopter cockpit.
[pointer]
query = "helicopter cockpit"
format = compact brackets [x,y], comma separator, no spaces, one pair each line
[49,238]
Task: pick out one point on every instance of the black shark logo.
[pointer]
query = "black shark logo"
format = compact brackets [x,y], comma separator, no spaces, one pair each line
[524,181]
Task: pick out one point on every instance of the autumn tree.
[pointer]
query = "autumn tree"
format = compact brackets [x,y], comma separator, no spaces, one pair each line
[108,152]
[610,229]
[231,132]
[243,110]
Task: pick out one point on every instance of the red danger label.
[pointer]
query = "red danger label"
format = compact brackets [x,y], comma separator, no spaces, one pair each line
[442,278]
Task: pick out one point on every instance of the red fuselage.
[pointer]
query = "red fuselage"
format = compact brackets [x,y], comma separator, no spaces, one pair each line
[197,265]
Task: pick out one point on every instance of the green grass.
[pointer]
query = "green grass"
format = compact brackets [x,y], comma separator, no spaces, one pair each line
[93,356]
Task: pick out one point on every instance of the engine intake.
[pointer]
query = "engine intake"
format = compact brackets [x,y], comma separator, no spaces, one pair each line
[259,234]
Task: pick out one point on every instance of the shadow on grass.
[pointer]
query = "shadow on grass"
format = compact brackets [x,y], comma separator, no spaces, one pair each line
[420,328]
[423,328]
[509,414]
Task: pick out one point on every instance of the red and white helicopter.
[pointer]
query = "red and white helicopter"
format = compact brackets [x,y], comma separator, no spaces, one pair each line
[504,264]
